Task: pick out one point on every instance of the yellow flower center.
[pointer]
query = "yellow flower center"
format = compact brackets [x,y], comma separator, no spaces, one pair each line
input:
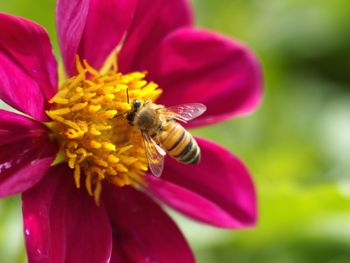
[88,121]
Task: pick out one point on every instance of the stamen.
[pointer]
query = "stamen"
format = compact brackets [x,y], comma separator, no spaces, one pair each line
[88,120]
[77,176]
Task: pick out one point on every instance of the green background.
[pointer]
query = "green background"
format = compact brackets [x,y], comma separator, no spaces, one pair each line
[297,144]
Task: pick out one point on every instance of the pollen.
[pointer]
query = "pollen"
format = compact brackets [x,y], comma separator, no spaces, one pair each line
[88,120]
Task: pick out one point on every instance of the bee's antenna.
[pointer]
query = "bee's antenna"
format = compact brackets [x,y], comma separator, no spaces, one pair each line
[121,114]
[127,95]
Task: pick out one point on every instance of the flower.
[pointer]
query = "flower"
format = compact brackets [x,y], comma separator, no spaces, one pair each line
[72,134]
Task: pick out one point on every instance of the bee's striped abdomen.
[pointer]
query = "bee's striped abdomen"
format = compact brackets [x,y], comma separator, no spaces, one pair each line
[179,143]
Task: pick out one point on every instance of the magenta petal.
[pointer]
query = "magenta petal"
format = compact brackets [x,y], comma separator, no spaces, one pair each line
[153,20]
[91,29]
[142,231]
[26,153]
[28,69]
[218,191]
[62,223]
[205,67]
[106,24]
[70,19]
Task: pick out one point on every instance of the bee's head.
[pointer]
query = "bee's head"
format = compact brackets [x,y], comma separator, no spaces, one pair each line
[135,105]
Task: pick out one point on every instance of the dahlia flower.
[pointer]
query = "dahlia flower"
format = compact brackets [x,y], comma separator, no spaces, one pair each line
[80,167]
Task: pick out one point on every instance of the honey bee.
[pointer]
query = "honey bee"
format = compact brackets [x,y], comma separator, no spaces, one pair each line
[163,134]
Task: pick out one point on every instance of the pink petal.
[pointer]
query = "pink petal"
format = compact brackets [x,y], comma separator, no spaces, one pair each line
[71,18]
[106,24]
[26,153]
[218,191]
[153,20]
[194,65]
[62,223]
[142,232]
[92,28]
[28,70]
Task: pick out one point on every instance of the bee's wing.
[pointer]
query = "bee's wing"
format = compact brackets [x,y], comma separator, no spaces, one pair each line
[155,155]
[184,112]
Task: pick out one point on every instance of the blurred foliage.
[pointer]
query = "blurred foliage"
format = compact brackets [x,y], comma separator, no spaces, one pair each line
[297,145]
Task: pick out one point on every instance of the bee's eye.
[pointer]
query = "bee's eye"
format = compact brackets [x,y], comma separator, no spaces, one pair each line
[136,104]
